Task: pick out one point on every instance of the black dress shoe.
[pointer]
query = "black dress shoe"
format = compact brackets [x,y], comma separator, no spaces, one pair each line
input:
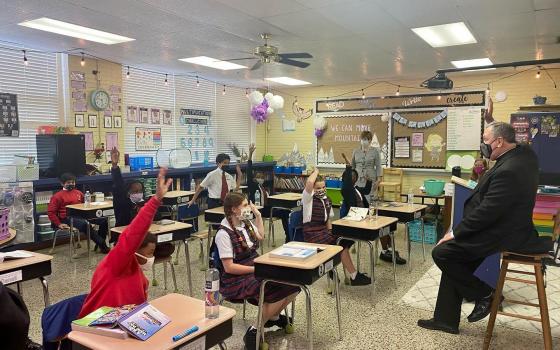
[387,256]
[482,308]
[437,326]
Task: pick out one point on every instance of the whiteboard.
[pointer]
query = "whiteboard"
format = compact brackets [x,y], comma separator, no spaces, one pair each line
[464,126]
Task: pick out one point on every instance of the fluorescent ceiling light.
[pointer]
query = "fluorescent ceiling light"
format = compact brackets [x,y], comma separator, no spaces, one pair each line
[212,63]
[75,31]
[476,62]
[446,34]
[288,81]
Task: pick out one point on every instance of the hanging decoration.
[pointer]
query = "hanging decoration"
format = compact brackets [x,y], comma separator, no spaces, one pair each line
[300,113]
[320,125]
[420,125]
[263,106]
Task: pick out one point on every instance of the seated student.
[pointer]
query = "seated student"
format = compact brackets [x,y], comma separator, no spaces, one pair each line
[479,169]
[255,182]
[354,197]
[119,278]
[57,212]
[127,201]
[218,182]
[237,241]
[14,321]
[317,211]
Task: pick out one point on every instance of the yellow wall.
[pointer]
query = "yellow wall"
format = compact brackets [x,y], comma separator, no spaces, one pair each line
[109,73]
[520,90]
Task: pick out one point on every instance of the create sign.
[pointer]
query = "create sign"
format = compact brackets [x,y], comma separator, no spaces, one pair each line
[471,98]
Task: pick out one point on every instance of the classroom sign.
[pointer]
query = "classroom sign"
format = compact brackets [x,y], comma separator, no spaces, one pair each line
[9,118]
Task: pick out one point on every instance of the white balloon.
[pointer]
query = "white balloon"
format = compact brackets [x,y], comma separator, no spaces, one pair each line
[269,111]
[319,123]
[277,102]
[268,96]
[385,118]
[255,98]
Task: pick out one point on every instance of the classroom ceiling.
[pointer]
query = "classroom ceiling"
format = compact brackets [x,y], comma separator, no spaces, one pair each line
[351,40]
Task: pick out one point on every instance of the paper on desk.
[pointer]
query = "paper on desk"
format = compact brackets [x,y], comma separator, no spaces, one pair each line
[356,214]
[98,203]
[16,254]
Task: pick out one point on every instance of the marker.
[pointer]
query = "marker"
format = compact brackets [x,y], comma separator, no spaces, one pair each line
[185,333]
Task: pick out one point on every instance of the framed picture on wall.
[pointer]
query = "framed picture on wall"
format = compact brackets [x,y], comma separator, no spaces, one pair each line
[79,120]
[92,120]
[117,122]
[167,117]
[108,122]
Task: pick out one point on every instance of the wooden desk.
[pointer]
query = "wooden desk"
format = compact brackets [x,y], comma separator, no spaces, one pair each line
[368,231]
[288,200]
[447,205]
[8,239]
[20,270]
[406,213]
[184,313]
[177,231]
[177,197]
[94,210]
[299,274]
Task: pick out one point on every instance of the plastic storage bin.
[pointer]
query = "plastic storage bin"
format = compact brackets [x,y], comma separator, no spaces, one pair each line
[298,170]
[430,232]
[333,183]
[280,169]
[141,163]
[434,187]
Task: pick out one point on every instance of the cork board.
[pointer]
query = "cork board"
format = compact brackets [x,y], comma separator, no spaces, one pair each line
[432,153]
[343,136]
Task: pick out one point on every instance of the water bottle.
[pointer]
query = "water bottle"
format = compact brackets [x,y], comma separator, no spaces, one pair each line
[212,293]
[87,199]
[193,185]
[410,197]
[258,197]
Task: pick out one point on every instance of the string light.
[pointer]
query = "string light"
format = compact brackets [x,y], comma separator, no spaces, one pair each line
[246,92]
[296,101]
[197,82]
[166,82]
[398,90]
[83,61]
[127,72]
[25,62]
[439,97]
[363,94]
[538,75]
[224,90]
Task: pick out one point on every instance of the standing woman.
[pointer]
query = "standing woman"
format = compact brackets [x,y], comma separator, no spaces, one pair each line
[366,160]
[479,169]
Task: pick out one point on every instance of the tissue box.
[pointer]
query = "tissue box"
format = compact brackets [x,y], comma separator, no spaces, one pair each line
[27,172]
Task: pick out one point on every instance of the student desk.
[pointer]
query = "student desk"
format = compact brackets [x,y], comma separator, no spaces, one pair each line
[184,313]
[175,232]
[95,210]
[174,199]
[368,230]
[287,200]
[300,274]
[20,270]
[406,213]
[447,205]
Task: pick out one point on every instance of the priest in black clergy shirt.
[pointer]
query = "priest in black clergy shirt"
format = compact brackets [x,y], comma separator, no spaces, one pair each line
[497,217]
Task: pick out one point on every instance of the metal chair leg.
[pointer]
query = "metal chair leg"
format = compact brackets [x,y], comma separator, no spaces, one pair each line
[358,256]
[174,277]
[244,307]
[154,280]
[176,261]
[165,275]
[54,242]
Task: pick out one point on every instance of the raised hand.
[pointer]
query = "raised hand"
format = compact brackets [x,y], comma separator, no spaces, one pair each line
[254,209]
[115,155]
[162,185]
[252,149]
[345,158]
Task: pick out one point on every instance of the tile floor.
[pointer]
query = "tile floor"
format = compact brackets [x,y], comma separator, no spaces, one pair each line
[379,321]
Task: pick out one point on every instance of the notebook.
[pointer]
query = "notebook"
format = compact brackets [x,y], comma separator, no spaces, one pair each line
[144,321]
[357,214]
[293,252]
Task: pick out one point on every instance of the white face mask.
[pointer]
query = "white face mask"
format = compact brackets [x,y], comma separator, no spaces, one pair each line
[364,143]
[147,266]
[260,181]
[246,214]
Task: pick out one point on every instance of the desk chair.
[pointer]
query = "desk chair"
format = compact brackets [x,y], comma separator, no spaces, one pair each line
[295,226]
[56,322]
[164,261]
[391,184]
[73,244]
[190,215]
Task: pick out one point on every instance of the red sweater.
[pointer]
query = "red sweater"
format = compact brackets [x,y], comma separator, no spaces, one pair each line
[118,279]
[58,203]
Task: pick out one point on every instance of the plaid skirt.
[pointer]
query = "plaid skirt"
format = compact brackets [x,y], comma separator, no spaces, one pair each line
[239,287]
[321,235]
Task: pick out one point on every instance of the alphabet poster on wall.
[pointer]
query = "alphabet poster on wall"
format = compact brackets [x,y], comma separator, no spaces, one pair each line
[9,117]
[148,139]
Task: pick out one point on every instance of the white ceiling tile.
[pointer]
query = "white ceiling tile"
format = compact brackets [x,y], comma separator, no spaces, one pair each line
[546,4]
[548,22]
[264,8]
[414,13]
[308,25]
[494,7]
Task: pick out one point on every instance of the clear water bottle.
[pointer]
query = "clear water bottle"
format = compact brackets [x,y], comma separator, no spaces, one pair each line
[212,293]
[87,199]
[410,197]
[258,197]
[193,185]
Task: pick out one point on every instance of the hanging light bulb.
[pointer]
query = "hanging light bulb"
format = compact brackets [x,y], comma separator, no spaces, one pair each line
[197,82]
[398,92]
[246,92]
[363,94]
[127,72]
[83,61]
[538,75]
[296,101]
[25,62]
[439,97]
[166,82]
[224,90]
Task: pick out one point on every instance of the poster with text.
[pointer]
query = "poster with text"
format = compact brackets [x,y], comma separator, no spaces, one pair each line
[132,114]
[155,116]
[9,117]
[143,115]
[148,139]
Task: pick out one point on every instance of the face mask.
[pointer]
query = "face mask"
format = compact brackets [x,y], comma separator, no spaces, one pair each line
[479,169]
[69,187]
[364,143]
[320,193]
[260,181]
[246,214]
[486,150]
[136,197]
[147,266]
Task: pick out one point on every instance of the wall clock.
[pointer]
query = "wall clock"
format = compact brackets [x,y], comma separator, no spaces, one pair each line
[100,100]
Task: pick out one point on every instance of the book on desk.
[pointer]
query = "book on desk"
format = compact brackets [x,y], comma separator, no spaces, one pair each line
[294,252]
[357,214]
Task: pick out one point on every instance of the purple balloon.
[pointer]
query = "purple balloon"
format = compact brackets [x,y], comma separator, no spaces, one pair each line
[319,132]
[259,112]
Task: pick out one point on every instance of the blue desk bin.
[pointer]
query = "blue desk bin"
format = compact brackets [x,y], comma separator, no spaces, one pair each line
[430,232]
[141,163]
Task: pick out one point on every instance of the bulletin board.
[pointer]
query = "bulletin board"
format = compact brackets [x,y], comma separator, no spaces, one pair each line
[426,132]
[343,136]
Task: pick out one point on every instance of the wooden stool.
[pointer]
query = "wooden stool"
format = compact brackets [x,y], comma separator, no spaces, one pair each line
[524,259]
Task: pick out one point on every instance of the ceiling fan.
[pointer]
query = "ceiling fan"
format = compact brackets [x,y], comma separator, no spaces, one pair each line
[268,53]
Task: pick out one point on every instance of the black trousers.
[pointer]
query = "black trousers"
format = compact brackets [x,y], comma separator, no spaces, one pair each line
[81,225]
[214,203]
[457,281]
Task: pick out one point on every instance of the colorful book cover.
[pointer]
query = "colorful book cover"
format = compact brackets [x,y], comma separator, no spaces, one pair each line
[144,321]
[111,317]
[91,317]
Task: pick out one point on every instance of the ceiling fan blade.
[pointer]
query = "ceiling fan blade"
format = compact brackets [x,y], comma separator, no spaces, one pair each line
[293,63]
[257,65]
[240,59]
[296,55]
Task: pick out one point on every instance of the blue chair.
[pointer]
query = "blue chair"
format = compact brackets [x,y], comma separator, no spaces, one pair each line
[56,322]
[343,210]
[295,226]
[190,215]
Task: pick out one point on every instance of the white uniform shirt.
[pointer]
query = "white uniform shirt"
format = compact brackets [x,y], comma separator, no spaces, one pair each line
[213,182]
[307,203]
[223,241]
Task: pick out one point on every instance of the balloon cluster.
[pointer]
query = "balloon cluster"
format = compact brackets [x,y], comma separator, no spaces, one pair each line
[320,125]
[262,106]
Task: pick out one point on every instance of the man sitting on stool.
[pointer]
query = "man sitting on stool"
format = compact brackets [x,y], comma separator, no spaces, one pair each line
[497,217]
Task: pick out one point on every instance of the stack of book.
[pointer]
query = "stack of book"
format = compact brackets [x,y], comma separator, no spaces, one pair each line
[547,207]
[295,183]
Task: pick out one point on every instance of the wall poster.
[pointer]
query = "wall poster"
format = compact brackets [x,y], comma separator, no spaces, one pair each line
[148,139]
[9,117]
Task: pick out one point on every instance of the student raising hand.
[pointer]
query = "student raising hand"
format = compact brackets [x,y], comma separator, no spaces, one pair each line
[162,185]
[115,155]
